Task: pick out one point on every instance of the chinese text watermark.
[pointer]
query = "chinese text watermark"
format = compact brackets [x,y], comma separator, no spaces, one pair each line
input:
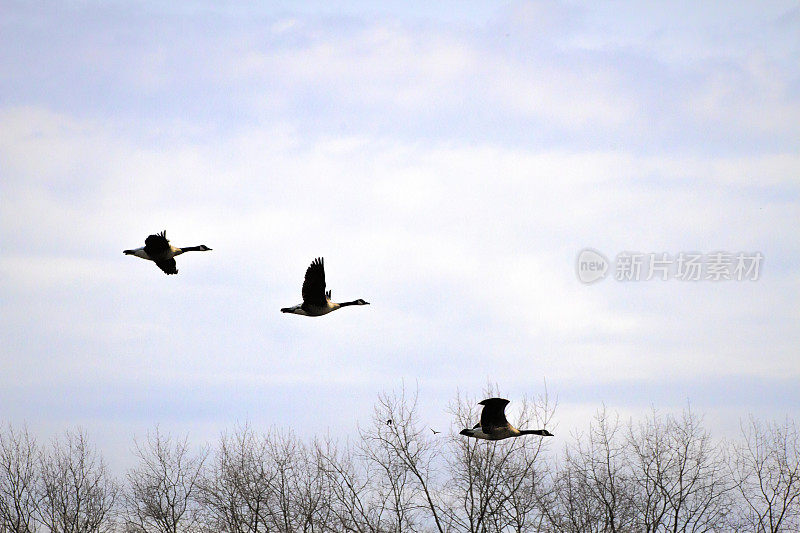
[592,266]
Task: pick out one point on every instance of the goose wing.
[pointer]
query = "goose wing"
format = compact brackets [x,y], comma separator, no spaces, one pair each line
[493,414]
[156,245]
[314,284]
[168,266]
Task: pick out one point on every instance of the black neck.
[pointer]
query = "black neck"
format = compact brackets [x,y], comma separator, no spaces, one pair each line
[192,249]
[343,304]
[533,432]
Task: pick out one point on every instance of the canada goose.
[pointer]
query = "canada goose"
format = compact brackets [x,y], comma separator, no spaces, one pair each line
[317,302]
[495,426]
[158,249]
[435,432]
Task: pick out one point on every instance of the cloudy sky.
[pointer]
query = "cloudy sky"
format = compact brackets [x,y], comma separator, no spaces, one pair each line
[449,162]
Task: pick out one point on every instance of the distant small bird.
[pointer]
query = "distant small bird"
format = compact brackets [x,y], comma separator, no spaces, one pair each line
[389,422]
[435,432]
[317,302]
[157,249]
[495,426]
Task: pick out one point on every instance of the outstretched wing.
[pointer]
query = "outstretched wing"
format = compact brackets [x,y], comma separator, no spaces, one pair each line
[168,266]
[493,414]
[156,245]
[314,284]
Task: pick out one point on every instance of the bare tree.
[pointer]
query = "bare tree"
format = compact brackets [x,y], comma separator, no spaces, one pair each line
[268,483]
[650,461]
[76,494]
[595,491]
[313,494]
[691,475]
[767,471]
[350,497]
[679,475]
[662,474]
[400,452]
[235,490]
[297,501]
[18,478]
[162,489]
[573,507]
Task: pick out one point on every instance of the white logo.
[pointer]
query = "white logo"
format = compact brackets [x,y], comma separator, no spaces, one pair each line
[591,266]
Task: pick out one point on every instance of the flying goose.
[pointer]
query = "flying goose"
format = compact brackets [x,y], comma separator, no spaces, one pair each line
[495,426]
[317,302]
[158,249]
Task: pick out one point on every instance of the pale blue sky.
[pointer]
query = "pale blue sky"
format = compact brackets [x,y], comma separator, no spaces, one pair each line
[449,162]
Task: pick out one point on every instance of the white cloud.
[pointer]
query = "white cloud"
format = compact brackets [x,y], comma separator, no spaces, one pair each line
[494,230]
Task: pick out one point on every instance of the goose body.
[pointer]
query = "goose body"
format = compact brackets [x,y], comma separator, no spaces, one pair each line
[316,300]
[495,426]
[158,249]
